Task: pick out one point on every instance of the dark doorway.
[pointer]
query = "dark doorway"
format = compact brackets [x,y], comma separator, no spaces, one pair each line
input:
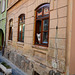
[1,39]
[35,73]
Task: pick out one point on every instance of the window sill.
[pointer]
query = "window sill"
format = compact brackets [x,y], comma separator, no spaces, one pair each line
[40,47]
[21,43]
[9,40]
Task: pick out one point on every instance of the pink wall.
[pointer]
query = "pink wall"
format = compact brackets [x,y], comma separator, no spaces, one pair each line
[72,57]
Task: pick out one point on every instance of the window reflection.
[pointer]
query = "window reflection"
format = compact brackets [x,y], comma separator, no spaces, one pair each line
[39,13]
[45,37]
[46,11]
[45,25]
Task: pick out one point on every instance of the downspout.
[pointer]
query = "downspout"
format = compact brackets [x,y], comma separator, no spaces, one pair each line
[56,37]
[6,21]
[5,27]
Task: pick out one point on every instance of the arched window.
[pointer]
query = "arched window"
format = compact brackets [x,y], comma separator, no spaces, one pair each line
[10,29]
[21,28]
[42,25]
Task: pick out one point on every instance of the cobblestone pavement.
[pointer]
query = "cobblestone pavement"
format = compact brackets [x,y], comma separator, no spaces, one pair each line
[15,70]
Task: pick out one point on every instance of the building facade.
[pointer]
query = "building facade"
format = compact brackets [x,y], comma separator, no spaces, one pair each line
[38,35]
[3,7]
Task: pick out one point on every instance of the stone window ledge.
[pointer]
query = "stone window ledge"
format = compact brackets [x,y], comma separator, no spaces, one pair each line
[20,43]
[9,40]
[39,47]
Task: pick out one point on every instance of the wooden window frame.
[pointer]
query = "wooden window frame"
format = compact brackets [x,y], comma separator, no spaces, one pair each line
[42,19]
[22,15]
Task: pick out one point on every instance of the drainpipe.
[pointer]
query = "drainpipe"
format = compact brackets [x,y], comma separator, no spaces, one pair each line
[56,37]
[4,45]
[6,23]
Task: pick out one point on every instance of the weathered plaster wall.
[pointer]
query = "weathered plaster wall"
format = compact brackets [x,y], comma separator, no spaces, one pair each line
[3,18]
[51,57]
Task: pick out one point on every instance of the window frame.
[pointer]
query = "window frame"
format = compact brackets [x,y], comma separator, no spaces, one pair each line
[42,19]
[22,15]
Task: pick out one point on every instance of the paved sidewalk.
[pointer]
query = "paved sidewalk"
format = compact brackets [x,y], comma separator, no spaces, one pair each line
[15,70]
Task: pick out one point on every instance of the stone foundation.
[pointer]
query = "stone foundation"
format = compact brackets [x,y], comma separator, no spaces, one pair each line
[29,65]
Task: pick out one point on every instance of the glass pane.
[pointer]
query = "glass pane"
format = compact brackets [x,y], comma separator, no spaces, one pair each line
[23,27]
[45,25]
[46,11]
[10,33]
[23,18]
[38,28]
[45,37]
[39,12]
[11,23]
[19,36]
[20,19]
[20,28]
[22,36]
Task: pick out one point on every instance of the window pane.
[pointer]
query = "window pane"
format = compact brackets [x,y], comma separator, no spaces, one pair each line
[20,20]
[10,34]
[38,28]
[23,27]
[22,36]
[23,18]
[46,11]
[11,29]
[39,12]
[19,36]
[45,25]
[11,23]
[45,37]
[20,28]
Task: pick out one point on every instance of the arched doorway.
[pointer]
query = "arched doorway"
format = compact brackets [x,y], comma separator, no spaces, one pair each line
[1,39]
